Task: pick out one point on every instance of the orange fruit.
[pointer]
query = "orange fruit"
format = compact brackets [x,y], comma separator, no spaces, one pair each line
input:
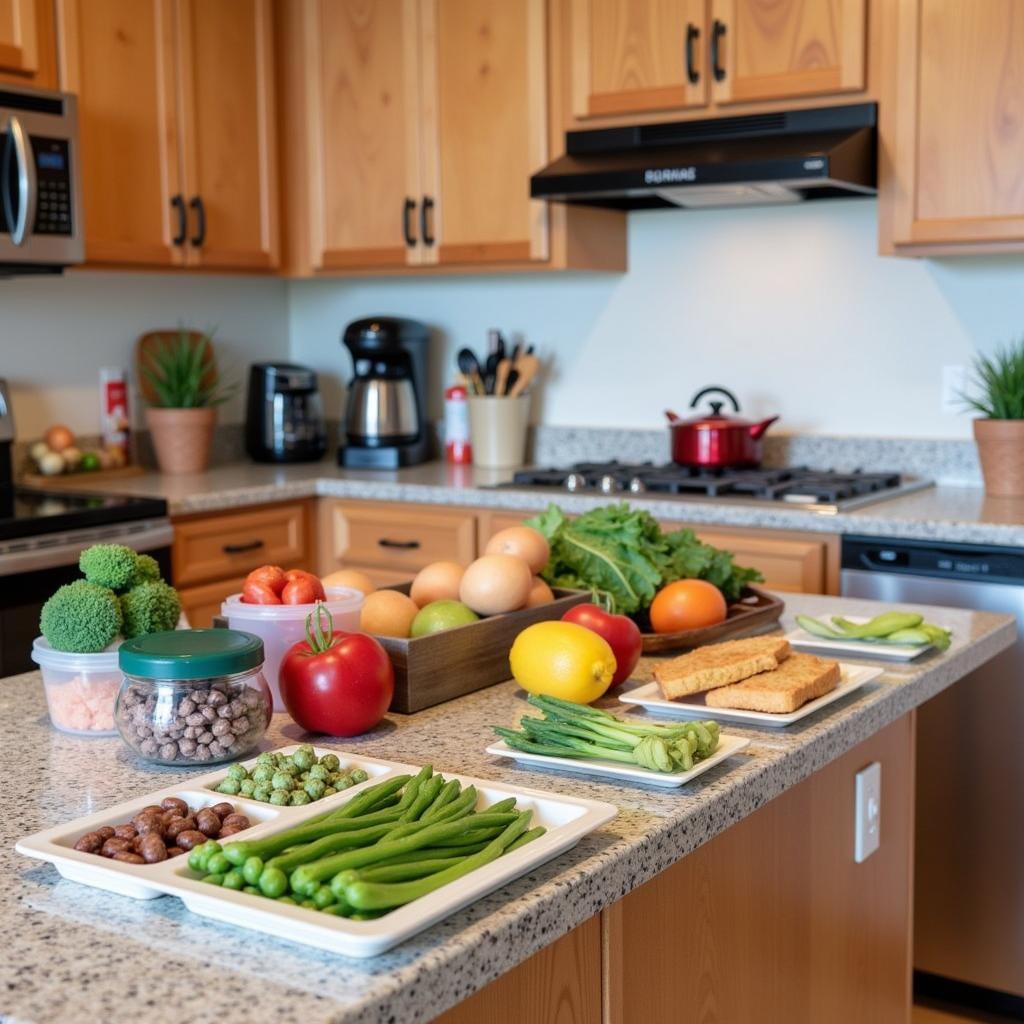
[687,604]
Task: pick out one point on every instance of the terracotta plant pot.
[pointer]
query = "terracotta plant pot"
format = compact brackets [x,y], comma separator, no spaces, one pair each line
[1001,452]
[181,438]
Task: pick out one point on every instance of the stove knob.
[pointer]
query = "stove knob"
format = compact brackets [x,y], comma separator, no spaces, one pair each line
[609,484]
[637,486]
[575,482]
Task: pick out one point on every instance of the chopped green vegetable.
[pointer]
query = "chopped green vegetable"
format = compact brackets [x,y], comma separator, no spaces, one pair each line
[150,607]
[109,565]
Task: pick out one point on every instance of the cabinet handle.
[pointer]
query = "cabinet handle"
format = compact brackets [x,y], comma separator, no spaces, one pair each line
[196,203]
[237,549]
[692,35]
[717,32]
[403,545]
[178,205]
[428,205]
[408,207]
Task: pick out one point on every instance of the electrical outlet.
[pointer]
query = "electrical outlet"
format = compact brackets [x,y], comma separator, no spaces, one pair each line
[954,387]
[868,804]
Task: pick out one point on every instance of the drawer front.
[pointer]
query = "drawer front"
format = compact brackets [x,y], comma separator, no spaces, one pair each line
[494,522]
[400,538]
[201,604]
[223,547]
[796,566]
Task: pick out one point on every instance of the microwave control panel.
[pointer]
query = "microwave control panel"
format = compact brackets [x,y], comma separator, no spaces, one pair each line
[53,183]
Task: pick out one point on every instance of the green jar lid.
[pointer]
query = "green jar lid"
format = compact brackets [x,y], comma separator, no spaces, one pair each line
[191,654]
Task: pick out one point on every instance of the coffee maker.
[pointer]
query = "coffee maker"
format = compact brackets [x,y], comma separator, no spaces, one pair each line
[386,414]
[284,419]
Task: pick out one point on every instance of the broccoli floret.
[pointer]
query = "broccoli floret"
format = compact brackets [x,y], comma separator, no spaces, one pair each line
[81,617]
[150,607]
[109,565]
[147,569]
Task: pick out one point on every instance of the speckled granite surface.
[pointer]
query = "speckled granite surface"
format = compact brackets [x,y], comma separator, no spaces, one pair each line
[959,514]
[76,953]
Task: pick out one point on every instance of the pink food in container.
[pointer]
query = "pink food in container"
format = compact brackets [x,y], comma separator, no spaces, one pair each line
[80,688]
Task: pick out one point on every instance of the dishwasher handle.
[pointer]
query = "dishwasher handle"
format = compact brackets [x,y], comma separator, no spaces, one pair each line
[977,562]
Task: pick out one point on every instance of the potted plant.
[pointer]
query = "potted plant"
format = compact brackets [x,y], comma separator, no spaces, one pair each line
[180,382]
[998,395]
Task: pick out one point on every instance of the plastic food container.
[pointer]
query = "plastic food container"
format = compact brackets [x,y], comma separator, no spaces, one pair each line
[80,689]
[192,696]
[281,625]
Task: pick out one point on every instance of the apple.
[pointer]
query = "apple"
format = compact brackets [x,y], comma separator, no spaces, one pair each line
[621,632]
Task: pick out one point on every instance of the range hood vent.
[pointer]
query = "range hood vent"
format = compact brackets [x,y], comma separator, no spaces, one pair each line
[782,157]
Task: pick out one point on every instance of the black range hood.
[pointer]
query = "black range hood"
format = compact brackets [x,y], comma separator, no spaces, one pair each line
[783,157]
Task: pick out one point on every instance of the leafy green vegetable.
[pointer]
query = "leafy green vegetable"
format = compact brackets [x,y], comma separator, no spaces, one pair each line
[621,555]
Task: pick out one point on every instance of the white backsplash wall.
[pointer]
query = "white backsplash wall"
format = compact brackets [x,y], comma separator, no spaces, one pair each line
[55,333]
[790,307]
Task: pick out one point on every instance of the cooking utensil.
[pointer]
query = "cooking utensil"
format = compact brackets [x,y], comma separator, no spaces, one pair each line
[470,366]
[501,377]
[527,368]
[715,440]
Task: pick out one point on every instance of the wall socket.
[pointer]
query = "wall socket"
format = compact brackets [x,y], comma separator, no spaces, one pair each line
[868,812]
[955,381]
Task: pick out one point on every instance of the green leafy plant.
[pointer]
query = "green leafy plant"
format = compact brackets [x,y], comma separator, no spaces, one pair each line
[183,374]
[997,391]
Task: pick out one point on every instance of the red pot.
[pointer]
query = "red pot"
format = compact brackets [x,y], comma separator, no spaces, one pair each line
[714,440]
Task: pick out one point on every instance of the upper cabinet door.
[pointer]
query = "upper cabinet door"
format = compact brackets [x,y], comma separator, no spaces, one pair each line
[19,44]
[958,140]
[359,79]
[485,117]
[635,56]
[119,57]
[227,73]
[785,49]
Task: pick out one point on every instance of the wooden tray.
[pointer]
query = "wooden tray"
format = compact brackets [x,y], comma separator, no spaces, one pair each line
[97,476]
[754,612]
[432,669]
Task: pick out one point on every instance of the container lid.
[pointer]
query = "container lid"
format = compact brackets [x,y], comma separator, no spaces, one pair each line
[68,661]
[339,600]
[191,654]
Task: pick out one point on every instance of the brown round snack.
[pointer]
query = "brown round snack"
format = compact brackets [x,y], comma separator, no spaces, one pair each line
[223,809]
[115,845]
[208,822]
[174,851]
[229,830]
[174,803]
[152,849]
[189,838]
[236,821]
[125,831]
[129,858]
[150,823]
[179,825]
[91,842]
[152,809]
[105,832]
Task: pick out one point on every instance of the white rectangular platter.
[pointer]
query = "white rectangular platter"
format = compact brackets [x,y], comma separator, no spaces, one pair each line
[727,746]
[567,820]
[804,641]
[650,699]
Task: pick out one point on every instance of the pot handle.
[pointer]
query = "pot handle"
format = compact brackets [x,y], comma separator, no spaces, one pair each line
[711,391]
[671,416]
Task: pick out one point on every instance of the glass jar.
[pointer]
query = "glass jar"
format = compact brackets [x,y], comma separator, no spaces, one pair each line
[193,696]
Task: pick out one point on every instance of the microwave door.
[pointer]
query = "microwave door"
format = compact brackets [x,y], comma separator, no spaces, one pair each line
[18,174]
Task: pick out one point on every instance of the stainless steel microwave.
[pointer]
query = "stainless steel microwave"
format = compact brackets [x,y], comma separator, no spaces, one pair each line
[40,188]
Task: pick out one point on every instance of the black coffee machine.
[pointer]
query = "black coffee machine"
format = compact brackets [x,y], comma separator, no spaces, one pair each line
[284,420]
[386,411]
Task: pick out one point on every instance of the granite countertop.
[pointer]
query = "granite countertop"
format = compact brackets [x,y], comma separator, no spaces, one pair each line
[956,514]
[76,952]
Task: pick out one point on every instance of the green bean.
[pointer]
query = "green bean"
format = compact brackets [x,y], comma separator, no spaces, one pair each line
[424,798]
[449,791]
[402,872]
[323,897]
[369,896]
[526,837]
[350,839]
[435,852]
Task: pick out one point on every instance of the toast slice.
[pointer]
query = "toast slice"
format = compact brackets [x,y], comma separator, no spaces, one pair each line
[800,678]
[720,664]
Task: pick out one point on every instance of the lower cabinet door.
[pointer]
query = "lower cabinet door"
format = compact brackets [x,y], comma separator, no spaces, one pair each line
[201,604]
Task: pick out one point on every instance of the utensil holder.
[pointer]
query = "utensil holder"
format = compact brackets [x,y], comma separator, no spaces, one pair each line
[497,430]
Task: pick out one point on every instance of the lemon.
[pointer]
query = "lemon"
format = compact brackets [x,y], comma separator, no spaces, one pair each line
[561,659]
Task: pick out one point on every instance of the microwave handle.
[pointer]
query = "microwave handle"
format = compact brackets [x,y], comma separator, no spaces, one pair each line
[17,144]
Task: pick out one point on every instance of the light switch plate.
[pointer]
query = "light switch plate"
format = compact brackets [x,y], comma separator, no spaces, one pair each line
[868,811]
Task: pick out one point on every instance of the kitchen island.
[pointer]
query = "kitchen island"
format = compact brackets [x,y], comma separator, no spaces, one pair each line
[74,952]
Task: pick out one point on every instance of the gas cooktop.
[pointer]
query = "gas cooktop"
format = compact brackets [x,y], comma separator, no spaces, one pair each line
[824,491]
[28,513]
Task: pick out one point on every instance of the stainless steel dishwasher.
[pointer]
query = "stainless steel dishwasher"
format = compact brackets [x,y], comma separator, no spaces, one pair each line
[969,850]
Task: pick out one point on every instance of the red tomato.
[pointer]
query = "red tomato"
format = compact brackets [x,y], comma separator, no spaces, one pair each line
[293,575]
[270,575]
[621,632]
[341,685]
[255,592]
[298,591]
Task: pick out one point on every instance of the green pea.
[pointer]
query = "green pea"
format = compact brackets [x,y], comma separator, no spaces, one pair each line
[287,899]
[233,879]
[319,771]
[329,791]
[273,882]
[314,788]
[323,897]
[262,794]
[230,787]
[280,797]
[247,788]
[263,772]
[252,890]
[341,782]
[298,797]
[266,758]
[214,879]
[282,780]
[204,851]
[196,861]
[303,758]
[252,869]
[330,762]
[358,775]
[218,864]
[237,771]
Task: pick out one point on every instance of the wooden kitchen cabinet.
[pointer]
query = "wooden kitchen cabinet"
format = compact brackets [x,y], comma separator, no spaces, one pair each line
[176,111]
[28,43]
[413,128]
[200,604]
[950,122]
